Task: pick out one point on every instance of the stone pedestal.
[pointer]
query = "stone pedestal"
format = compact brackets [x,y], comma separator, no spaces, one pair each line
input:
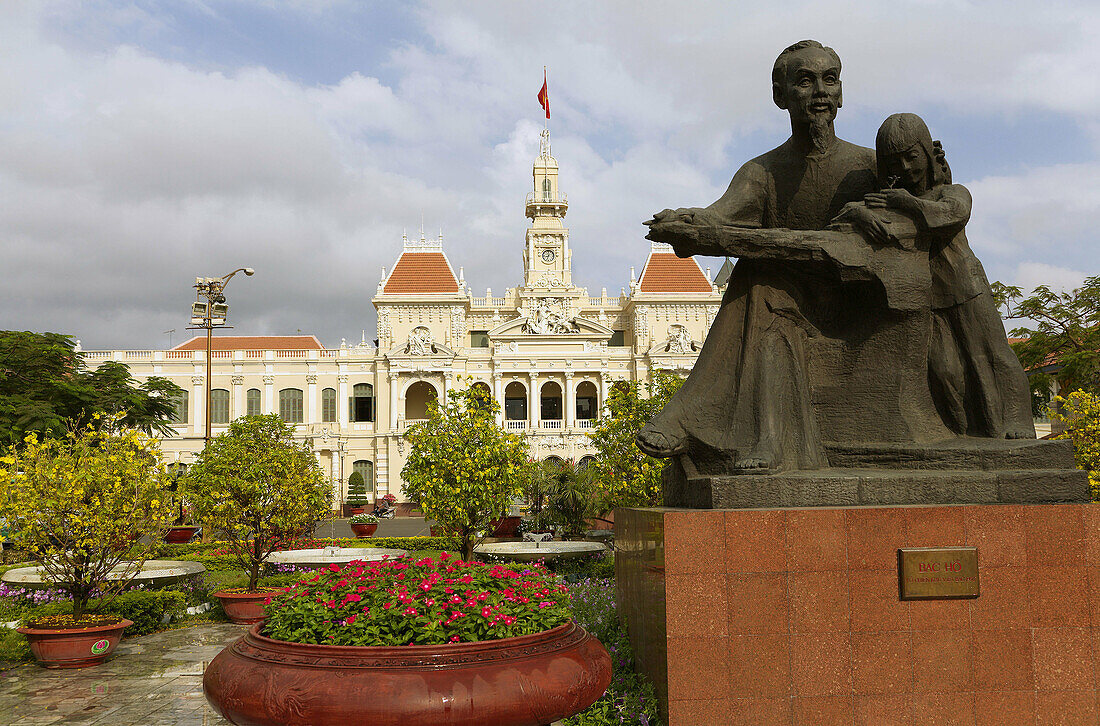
[792,616]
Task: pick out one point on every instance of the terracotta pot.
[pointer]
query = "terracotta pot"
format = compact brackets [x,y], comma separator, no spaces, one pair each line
[527,681]
[76,647]
[364,530]
[356,510]
[179,535]
[244,608]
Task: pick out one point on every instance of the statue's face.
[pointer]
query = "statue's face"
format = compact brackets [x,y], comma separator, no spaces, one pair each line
[812,88]
[911,169]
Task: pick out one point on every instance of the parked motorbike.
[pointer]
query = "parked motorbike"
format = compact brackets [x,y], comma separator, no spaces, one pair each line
[384,511]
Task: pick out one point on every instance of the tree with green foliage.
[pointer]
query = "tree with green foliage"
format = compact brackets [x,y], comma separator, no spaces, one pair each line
[45,386]
[258,487]
[1064,343]
[623,474]
[357,490]
[463,469]
[82,502]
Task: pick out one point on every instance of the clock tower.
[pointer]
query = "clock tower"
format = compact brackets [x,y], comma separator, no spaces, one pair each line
[547,260]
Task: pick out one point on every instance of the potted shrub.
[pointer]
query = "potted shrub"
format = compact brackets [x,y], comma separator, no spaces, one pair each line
[357,500]
[256,486]
[437,642]
[80,503]
[364,525]
[181,530]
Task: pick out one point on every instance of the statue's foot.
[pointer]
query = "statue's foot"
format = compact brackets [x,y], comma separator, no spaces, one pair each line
[659,444]
[1020,434]
[753,462]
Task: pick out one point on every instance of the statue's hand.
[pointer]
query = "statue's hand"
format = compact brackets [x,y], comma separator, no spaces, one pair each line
[688,215]
[895,198]
[864,219]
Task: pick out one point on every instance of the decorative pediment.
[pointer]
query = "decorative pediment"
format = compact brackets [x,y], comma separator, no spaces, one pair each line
[521,327]
[678,342]
[421,344]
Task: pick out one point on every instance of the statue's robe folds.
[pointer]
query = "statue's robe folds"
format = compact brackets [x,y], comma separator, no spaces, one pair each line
[818,331]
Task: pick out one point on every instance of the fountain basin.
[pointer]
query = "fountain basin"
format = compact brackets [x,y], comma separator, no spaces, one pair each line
[533,551]
[331,555]
[153,572]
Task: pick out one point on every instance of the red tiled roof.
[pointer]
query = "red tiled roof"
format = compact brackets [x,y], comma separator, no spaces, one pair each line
[665,272]
[421,272]
[253,342]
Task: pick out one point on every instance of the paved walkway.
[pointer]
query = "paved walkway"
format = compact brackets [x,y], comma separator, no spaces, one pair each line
[152,680]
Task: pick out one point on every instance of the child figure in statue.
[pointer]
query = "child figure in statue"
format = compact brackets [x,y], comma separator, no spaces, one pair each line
[976,380]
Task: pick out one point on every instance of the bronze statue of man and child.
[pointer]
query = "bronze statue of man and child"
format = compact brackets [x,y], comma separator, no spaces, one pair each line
[857,315]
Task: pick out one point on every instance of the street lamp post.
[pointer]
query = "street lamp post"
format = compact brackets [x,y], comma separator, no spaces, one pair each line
[206,315]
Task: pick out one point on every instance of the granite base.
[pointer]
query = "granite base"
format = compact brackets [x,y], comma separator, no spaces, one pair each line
[792,616]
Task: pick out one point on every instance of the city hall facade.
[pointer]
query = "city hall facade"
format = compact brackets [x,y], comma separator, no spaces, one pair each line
[546,350]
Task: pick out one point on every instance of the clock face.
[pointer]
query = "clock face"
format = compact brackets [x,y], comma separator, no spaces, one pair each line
[548,256]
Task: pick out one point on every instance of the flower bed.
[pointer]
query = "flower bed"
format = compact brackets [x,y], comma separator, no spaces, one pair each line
[417,602]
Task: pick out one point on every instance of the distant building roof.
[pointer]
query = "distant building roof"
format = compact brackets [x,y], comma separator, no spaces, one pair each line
[665,272]
[253,342]
[421,272]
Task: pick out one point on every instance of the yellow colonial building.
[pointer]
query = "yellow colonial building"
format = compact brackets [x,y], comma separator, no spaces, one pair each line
[547,350]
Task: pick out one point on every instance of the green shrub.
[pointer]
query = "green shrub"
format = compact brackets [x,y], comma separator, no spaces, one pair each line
[13,647]
[357,490]
[146,608]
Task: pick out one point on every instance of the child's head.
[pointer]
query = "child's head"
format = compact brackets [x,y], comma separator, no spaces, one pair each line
[907,155]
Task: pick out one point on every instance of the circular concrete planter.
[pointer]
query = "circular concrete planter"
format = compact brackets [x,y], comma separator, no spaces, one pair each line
[74,647]
[532,680]
[244,608]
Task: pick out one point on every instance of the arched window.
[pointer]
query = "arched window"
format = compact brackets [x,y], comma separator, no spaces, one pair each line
[550,407]
[290,405]
[416,400]
[484,397]
[584,462]
[366,469]
[252,402]
[587,402]
[515,402]
[547,190]
[219,406]
[361,406]
[328,405]
[555,460]
[179,411]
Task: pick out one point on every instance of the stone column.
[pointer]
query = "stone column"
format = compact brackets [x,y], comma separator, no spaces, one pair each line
[498,396]
[393,400]
[238,397]
[569,402]
[198,409]
[311,399]
[533,412]
[269,395]
[342,403]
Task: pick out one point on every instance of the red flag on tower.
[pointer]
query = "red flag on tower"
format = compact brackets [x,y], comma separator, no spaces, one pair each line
[544,97]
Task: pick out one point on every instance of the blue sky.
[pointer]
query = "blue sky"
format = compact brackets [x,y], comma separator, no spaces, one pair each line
[145,143]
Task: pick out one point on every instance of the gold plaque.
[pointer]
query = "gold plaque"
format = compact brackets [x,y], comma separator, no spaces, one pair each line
[938,573]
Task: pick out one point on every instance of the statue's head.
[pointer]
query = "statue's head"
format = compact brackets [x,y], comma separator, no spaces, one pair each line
[806,82]
[907,156]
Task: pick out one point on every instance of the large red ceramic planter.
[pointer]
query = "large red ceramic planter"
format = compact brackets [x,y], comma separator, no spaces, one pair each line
[75,647]
[243,608]
[532,680]
[364,530]
[179,535]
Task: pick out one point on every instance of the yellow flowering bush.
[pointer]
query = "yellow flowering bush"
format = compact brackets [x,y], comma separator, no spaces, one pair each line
[1080,414]
[257,488]
[464,470]
[81,503]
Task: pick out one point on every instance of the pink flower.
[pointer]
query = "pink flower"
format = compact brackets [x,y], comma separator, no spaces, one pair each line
[545,604]
[350,620]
